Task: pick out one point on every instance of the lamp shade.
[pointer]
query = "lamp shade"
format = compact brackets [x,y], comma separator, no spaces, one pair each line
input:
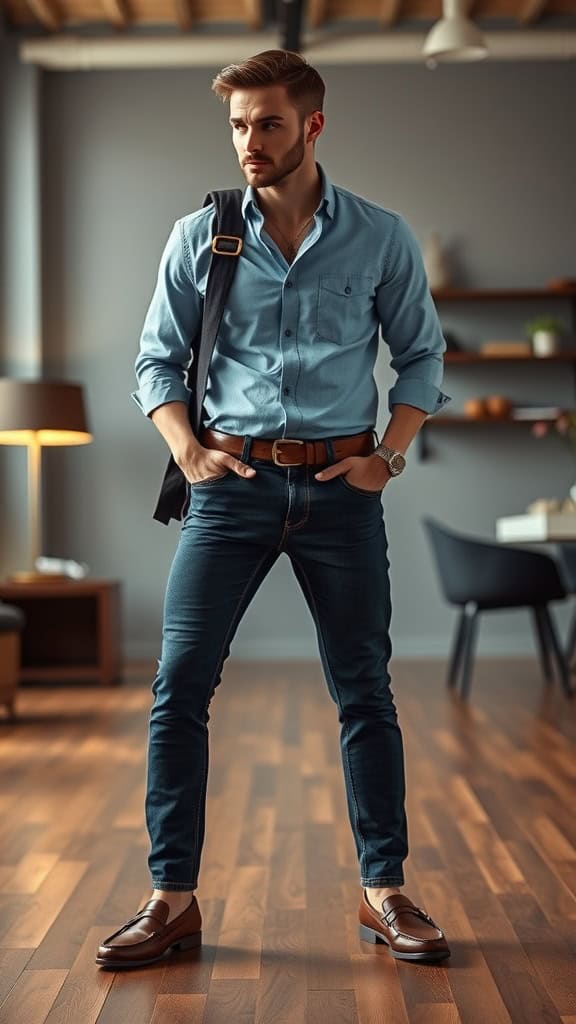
[50,411]
[455,39]
[455,36]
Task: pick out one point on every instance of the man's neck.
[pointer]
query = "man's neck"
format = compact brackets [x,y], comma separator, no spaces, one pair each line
[293,200]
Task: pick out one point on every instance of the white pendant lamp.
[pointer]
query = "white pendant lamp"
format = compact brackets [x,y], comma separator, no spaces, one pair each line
[455,37]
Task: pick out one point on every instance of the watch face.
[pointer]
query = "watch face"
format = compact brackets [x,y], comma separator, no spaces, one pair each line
[397,463]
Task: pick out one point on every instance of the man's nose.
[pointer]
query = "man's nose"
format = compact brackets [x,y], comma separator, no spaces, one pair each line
[252,142]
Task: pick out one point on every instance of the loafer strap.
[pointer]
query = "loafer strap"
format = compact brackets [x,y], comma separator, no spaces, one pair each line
[145,912]
[407,908]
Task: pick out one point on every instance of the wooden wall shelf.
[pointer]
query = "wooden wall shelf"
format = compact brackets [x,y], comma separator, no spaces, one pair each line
[501,294]
[449,421]
[463,358]
[477,357]
[509,295]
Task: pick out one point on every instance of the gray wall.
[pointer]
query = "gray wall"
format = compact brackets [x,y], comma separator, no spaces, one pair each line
[483,153]
[20,286]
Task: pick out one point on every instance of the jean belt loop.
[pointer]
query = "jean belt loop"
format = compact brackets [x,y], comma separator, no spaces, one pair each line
[330,450]
[245,457]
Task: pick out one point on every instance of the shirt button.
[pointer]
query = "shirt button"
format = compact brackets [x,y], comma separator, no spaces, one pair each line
[289,284]
[347,289]
[286,391]
[288,333]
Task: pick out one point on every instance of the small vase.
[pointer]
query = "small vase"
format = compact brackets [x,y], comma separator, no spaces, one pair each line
[435,263]
[545,343]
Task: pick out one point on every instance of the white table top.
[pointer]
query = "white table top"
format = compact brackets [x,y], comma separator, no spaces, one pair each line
[542,527]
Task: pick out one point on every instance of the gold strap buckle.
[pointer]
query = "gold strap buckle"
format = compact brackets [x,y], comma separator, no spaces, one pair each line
[284,440]
[227,245]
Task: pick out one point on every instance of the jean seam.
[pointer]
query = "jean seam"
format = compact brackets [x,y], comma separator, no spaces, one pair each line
[306,512]
[230,629]
[321,638]
[290,492]
[374,883]
[158,884]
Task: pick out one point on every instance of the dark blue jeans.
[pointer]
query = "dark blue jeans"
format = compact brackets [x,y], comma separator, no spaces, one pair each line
[233,531]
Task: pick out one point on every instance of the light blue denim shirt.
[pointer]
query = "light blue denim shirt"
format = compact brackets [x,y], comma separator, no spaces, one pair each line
[297,344]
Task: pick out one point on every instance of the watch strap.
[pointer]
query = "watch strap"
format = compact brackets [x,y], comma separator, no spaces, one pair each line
[387,455]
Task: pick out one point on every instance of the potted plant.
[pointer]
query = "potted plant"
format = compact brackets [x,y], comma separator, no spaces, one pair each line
[545,333]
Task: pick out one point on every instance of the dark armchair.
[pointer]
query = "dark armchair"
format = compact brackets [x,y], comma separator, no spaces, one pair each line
[476,576]
[567,559]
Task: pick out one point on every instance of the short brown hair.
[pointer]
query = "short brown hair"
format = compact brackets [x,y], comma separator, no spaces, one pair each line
[274,67]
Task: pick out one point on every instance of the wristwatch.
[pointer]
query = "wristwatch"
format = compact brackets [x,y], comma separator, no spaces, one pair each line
[394,460]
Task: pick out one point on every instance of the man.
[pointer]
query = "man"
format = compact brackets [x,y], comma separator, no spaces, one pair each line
[320,271]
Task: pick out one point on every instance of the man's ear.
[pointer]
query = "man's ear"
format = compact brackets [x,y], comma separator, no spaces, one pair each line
[315,125]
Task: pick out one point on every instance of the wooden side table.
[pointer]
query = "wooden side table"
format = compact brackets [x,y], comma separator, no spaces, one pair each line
[72,630]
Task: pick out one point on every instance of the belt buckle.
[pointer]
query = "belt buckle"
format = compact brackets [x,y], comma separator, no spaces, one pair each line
[284,440]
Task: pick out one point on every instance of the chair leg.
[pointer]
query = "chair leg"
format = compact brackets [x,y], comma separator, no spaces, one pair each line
[557,651]
[542,642]
[571,645]
[471,612]
[457,650]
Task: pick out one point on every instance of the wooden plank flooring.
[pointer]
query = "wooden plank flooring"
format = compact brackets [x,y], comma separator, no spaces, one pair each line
[492,831]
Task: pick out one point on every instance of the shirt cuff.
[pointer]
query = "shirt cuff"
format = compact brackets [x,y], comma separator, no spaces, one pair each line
[419,393]
[150,396]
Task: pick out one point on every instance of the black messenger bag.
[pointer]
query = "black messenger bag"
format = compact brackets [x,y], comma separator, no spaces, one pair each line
[226,247]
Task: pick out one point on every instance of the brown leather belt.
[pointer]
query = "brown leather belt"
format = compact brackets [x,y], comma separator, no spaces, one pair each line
[286,451]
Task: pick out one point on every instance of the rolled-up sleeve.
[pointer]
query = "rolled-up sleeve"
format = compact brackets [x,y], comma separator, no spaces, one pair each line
[173,318]
[410,325]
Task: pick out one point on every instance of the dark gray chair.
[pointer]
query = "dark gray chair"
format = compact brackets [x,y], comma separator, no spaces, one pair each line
[567,559]
[476,576]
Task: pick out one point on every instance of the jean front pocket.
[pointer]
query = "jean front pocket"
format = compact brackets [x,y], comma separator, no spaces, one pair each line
[209,481]
[359,490]
[344,302]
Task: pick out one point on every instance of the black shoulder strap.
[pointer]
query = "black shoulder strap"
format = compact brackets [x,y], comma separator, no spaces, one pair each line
[226,248]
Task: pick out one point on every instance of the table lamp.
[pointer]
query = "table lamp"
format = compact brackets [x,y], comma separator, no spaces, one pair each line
[36,413]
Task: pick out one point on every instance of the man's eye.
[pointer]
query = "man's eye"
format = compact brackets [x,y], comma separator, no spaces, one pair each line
[271,124]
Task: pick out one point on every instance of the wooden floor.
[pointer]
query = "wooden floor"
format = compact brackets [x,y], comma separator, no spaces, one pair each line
[492,829]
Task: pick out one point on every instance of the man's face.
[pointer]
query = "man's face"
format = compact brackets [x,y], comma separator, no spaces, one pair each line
[268,133]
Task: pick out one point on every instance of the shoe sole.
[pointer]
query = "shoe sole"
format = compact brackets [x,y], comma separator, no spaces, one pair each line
[188,942]
[370,935]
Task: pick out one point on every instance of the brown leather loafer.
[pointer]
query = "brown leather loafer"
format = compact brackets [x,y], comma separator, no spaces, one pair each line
[146,937]
[406,928]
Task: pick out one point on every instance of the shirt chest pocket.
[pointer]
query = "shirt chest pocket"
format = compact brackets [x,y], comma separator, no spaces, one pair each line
[345,306]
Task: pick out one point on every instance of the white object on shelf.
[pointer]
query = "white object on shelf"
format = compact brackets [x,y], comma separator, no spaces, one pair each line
[536,412]
[540,526]
[435,262]
[545,343]
[67,566]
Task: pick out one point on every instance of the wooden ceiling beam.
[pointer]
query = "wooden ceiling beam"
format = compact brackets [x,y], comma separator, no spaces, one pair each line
[46,13]
[183,14]
[253,13]
[531,11]
[116,12]
[317,11]
[389,12]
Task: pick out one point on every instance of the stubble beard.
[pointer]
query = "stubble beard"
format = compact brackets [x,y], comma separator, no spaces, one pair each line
[290,162]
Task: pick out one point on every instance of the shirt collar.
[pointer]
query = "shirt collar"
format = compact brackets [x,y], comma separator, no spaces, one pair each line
[249,204]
